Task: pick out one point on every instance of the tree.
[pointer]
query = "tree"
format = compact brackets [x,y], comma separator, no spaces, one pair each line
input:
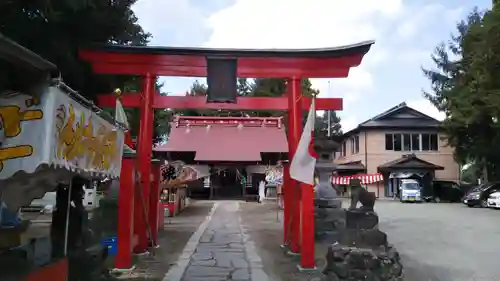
[467,90]
[57,29]
[264,87]
[321,124]
[244,87]
[162,117]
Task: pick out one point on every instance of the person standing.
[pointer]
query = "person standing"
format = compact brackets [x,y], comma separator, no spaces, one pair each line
[262,191]
[279,191]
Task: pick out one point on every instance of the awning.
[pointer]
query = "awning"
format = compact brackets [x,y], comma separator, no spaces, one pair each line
[408,162]
[223,143]
[364,178]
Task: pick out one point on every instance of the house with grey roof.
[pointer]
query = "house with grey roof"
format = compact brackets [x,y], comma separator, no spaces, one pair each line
[398,143]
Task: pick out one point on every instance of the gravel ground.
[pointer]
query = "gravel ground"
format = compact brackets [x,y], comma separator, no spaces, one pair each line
[437,242]
[443,242]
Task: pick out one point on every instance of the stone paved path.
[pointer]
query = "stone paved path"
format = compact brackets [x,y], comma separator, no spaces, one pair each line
[223,252]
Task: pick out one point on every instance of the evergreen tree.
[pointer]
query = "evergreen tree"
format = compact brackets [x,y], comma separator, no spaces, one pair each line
[466,86]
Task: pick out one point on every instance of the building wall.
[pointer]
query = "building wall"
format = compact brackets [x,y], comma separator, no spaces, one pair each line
[374,143]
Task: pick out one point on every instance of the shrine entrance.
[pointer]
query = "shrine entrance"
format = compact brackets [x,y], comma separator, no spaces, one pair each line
[222,67]
[226,184]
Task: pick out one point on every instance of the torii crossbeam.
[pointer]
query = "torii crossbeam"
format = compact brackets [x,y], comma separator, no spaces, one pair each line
[151,62]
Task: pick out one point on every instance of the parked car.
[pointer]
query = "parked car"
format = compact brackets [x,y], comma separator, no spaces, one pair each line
[447,191]
[478,196]
[494,200]
[410,191]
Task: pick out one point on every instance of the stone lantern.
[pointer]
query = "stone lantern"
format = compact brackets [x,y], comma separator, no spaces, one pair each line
[329,217]
[326,194]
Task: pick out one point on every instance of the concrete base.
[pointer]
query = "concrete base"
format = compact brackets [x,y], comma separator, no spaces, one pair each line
[307,270]
[122,270]
[142,254]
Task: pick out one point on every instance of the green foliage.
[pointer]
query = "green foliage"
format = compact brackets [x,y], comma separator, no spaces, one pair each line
[466,86]
[57,29]
[265,87]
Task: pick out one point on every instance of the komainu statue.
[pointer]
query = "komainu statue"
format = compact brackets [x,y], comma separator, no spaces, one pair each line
[359,194]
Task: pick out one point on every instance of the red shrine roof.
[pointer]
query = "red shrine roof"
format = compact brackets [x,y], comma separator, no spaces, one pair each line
[226,139]
[252,63]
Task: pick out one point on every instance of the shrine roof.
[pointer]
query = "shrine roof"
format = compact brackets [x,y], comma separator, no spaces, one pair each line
[226,139]
[251,63]
[16,54]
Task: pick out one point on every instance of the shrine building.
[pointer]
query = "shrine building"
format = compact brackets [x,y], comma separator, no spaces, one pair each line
[227,149]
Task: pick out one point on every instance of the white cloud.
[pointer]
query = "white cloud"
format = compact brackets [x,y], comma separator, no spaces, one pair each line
[415,20]
[349,123]
[184,25]
[307,24]
[427,108]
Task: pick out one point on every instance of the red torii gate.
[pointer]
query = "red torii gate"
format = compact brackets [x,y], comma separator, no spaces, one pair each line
[151,62]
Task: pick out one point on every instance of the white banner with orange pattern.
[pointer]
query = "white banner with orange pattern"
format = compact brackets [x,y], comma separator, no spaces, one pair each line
[56,130]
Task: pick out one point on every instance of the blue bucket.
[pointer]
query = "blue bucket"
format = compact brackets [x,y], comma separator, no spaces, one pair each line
[111,244]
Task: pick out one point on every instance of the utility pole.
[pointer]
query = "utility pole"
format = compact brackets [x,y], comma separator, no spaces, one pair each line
[328,114]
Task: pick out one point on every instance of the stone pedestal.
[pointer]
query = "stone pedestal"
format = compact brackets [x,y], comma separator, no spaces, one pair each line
[329,217]
[362,252]
[329,220]
[355,264]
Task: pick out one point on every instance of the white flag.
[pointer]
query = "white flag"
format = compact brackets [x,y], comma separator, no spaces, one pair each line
[120,115]
[304,159]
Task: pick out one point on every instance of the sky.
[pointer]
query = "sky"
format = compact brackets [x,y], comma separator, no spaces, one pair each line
[405,32]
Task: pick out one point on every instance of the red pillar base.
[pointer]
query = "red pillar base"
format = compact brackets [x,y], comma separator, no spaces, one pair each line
[125,214]
[287,194]
[154,199]
[307,258]
[296,220]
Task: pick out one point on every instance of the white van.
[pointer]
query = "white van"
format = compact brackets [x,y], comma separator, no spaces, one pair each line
[410,191]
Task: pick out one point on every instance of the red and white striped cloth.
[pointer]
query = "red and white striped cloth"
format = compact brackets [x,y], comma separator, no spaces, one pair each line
[365,178]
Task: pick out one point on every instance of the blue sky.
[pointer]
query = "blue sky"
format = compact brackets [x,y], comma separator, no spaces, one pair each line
[405,31]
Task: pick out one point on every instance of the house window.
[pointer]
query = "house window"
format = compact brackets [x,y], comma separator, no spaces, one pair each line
[415,142]
[430,142]
[343,150]
[411,142]
[389,142]
[406,142]
[354,144]
[398,142]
